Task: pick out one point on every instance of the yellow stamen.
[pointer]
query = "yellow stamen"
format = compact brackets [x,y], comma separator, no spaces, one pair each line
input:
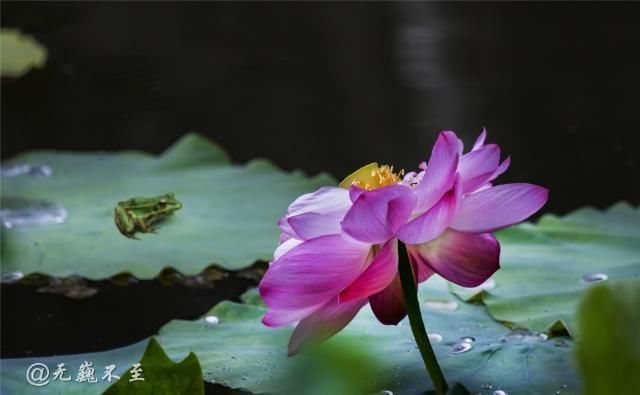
[372,176]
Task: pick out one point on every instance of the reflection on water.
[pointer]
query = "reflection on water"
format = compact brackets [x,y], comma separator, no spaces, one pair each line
[20,211]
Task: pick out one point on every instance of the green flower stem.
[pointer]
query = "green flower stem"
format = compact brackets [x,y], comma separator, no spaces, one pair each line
[417,325]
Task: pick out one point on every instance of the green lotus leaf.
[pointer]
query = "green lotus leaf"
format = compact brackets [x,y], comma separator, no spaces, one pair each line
[547,267]
[19,53]
[609,353]
[228,217]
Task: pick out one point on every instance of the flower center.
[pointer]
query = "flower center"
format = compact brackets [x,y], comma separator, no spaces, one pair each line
[373,176]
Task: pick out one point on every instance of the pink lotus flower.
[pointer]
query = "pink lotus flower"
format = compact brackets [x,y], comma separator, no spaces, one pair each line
[339,246]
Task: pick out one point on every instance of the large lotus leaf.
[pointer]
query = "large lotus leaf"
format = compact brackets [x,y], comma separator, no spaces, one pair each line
[19,53]
[609,353]
[547,267]
[228,217]
[240,352]
[236,350]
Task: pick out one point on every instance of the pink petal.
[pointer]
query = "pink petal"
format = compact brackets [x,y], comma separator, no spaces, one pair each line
[311,225]
[480,140]
[460,147]
[324,200]
[440,172]
[419,265]
[284,237]
[321,210]
[466,259]
[484,186]
[285,246]
[286,229]
[501,169]
[376,215]
[388,304]
[498,207]
[433,222]
[378,275]
[478,166]
[275,318]
[313,272]
[355,192]
[324,323]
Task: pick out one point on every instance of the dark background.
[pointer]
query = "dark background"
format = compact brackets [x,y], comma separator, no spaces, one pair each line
[322,87]
[331,86]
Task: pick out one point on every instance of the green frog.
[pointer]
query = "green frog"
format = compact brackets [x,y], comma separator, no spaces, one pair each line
[139,213]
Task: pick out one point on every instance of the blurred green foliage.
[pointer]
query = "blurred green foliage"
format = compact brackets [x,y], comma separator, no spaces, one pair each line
[609,353]
[19,53]
[161,375]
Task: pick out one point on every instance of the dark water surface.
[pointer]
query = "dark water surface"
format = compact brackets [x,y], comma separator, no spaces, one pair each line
[331,86]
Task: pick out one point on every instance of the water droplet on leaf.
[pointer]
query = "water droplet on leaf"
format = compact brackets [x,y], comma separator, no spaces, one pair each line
[443,305]
[594,278]
[499,392]
[467,339]
[212,319]
[435,337]
[460,348]
[524,335]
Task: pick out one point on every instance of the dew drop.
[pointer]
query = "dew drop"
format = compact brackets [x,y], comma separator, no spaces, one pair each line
[245,377]
[442,305]
[594,278]
[525,336]
[467,339]
[499,392]
[385,392]
[11,277]
[212,319]
[435,337]
[18,169]
[460,348]
[17,211]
